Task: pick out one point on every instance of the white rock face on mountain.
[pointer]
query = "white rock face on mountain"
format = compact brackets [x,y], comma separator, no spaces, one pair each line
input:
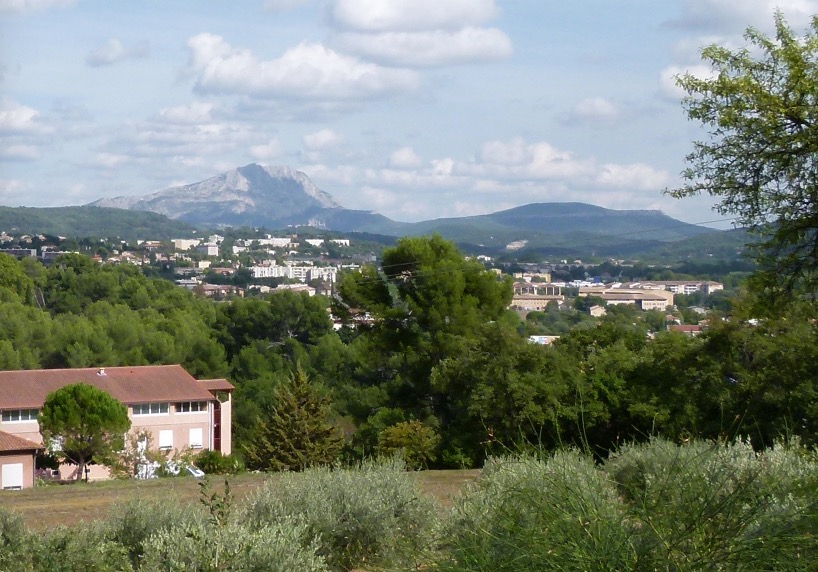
[252,195]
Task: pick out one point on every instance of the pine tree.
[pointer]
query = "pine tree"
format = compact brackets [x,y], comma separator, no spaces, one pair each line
[297,431]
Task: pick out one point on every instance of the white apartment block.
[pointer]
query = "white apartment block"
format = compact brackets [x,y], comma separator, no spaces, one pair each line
[209,249]
[292,272]
[185,243]
[680,286]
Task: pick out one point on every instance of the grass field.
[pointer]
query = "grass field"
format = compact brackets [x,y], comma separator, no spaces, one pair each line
[47,506]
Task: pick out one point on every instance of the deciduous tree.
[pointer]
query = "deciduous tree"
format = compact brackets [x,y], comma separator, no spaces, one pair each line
[760,158]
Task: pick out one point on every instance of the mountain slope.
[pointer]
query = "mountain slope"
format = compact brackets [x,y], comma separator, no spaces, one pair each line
[87,221]
[251,195]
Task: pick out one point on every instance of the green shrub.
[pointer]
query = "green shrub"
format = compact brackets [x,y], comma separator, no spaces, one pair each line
[130,525]
[215,463]
[80,547]
[374,514]
[204,547]
[707,505]
[15,545]
[527,513]
[416,442]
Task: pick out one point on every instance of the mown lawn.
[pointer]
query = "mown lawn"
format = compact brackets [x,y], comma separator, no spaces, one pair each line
[51,505]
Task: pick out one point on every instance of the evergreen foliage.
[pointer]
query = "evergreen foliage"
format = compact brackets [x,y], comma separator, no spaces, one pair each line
[297,432]
[84,422]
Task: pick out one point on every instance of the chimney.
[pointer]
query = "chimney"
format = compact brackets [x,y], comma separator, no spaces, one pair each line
[101,371]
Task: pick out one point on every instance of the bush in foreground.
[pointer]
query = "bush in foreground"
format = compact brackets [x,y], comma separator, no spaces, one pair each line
[374,514]
[655,506]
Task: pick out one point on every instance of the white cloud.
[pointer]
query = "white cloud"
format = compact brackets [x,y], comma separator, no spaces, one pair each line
[322,139]
[114,52]
[596,109]
[18,152]
[15,117]
[109,160]
[15,192]
[405,158]
[306,71]
[667,78]
[736,16]
[196,112]
[267,151]
[410,15]
[637,176]
[21,6]
[428,48]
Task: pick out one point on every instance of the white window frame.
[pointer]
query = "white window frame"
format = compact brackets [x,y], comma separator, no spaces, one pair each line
[193,442]
[165,439]
[185,407]
[19,415]
[11,476]
[162,408]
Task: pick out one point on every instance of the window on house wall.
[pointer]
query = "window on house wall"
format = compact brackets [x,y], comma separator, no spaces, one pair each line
[150,408]
[195,440]
[166,439]
[12,415]
[191,406]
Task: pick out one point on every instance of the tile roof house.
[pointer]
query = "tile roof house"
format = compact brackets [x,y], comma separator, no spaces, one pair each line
[16,462]
[178,410]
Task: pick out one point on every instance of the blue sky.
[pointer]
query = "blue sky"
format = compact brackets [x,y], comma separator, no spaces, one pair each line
[416,109]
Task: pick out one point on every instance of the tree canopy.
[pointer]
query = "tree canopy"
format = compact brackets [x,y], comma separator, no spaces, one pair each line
[760,108]
[83,423]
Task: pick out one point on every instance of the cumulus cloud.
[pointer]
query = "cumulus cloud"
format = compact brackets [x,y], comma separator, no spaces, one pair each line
[432,48]
[267,151]
[322,139]
[193,113]
[410,15]
[667,79]
[114,51]
[636,176]
[735,16]
[109,160]
[596,110]
[306,71]
[18,152]
[18,118]
[22,6]
[405,158]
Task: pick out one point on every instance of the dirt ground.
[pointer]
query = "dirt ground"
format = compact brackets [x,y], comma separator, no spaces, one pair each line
[52,505]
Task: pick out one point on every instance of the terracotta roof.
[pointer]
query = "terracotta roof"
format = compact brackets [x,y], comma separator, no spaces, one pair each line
[137,384]
[217,384]
[9,442]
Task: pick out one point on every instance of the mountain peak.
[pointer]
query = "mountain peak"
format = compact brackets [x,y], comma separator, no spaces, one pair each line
[253,194]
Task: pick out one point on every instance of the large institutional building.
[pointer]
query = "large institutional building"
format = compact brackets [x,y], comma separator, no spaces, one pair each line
[179,411]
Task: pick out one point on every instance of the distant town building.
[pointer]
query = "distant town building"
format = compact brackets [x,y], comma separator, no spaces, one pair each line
[20,252]
[641,298]
[208,249]
[185,243]
[678,286]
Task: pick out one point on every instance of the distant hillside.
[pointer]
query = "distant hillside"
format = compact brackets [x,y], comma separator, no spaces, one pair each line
[252,195]
[86,221]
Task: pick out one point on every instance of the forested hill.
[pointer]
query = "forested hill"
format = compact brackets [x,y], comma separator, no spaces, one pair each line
[85,221]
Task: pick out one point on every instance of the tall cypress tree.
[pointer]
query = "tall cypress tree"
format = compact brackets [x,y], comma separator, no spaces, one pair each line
[297,432]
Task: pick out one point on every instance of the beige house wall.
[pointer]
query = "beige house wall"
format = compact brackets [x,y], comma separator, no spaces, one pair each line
[26,429]
[227,431]
[26,458]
